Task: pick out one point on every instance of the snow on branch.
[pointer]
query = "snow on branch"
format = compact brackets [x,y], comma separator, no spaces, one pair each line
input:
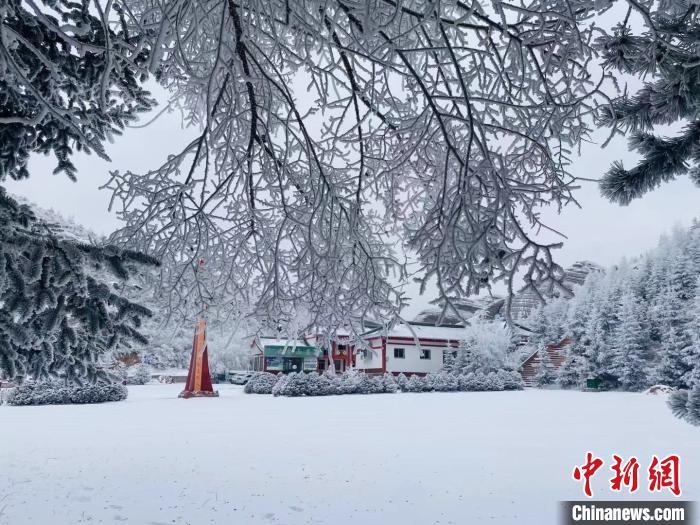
[332,129]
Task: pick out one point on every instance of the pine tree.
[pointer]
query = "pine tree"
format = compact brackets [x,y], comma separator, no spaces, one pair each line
[57,317]
[546,374]
[673,365]
[68,80]
[693,406]
[574,369]
[666,53]
[631,360]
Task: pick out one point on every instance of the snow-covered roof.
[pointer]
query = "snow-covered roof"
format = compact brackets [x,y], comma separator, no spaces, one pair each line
[277,341]
[443,333]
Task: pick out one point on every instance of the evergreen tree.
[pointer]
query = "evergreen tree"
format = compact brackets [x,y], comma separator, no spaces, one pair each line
[574,369]
[631,360]
[673,365]
[57,318]
[69,79]
[666,54]
[546,374]
[693,405]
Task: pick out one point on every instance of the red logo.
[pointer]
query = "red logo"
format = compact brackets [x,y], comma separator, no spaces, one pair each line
[663,474]
[627,474]
[587,471]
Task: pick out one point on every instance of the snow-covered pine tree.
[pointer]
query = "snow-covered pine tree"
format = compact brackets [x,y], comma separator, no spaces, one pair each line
[594,340]
[631,361]
[664,53]
[693,405]
[56,317]
[69,80]
[673,365]
[574,369]
[546,375]
[449,363]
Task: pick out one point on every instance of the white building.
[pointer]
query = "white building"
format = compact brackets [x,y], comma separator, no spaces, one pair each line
[412,348]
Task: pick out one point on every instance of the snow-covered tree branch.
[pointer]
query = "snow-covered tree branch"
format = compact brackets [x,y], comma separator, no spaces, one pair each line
[448,125]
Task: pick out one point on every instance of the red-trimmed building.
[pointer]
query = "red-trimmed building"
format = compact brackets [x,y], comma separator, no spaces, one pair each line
[271,354]
[408,348]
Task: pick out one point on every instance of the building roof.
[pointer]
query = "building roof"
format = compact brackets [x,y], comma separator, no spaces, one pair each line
[421,331]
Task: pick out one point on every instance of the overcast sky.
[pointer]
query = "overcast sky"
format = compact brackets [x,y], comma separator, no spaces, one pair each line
[599,231]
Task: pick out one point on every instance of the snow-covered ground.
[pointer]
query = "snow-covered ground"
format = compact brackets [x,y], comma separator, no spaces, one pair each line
[462,458]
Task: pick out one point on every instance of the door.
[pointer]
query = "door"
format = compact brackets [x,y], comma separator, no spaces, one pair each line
[293,364]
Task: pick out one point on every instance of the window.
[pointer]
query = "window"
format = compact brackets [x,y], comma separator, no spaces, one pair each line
[425,354]
[399,353]
[446,353]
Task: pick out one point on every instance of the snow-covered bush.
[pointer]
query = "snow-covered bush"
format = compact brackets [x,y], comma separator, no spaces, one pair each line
[389,383]
[293,385]
[474,382]
[402,381]
[494,382]
[444,382]
[280,385]
[351,382]
[416,383]
[261,383]
[328,384]
[141,375]
[56,393]
[512,380]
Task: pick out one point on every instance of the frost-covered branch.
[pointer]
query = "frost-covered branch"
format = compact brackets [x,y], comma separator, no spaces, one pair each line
[448,125]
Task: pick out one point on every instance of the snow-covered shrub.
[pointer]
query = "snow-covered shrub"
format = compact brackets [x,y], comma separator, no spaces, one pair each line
[329,384]
[280,385]
[141,375]
[377,385]
[350,382]
[474,382]
[295,385]
[260,383]
[494,382]
[364,384]
[314,386]
[402,381]
[55,393]
[5,394]
[389,383]
[444,382]
[512,380]
[416,383]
